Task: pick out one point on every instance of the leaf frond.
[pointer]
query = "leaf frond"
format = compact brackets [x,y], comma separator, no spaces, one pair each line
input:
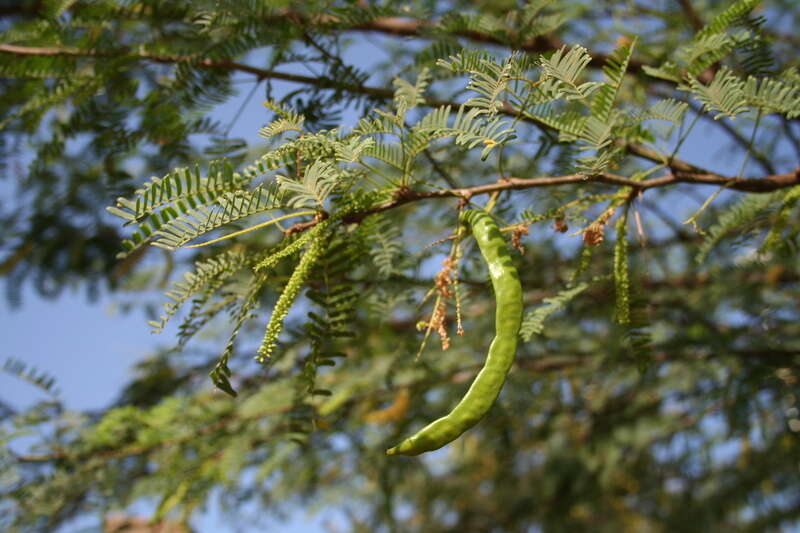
[743,214]
[566,67]
[231,206]
[613,71]
[533,321]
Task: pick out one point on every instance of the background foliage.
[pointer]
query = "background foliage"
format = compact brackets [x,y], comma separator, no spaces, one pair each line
[657,386]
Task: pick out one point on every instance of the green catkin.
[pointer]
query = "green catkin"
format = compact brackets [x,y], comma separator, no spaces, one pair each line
[273,259]
[622,282]
[290,292]
[318,237]
[508,316]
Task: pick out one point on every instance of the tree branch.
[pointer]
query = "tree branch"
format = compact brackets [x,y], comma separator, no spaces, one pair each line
[753,185]
[323,82]
[691,14]
[681,171]
[421,29]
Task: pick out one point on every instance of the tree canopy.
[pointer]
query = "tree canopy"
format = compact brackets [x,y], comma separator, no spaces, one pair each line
[641,160]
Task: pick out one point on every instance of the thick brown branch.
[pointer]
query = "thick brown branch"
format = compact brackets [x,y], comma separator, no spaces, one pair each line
[544,43]
[416,28]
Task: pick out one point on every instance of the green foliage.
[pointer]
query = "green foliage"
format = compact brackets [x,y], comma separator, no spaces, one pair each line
[739,218]
[408,96]
[470,128]
[221,373]
[37,378]
[772,96]
[731,96]
[566,67]
[651,394]
[775,239]
[288,120]
[603,101]
[533,321]
[318,182]
[181,193]
[336,301]
[714,42]
[207,277]
[386,248]
[730,16]
[668,109]
[230,207]
[725,94]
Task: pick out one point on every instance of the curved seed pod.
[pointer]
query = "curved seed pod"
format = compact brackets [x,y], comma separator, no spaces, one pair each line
[508,316]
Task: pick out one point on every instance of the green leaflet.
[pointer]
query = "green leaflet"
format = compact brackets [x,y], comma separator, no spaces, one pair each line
[614,71]
[231,207]
[566,67]
[212,270]
[741,214]
[39,379]
[317,183]
[728,17]
[774,239]
[725,94]
[221,373]
[533,321]
[181,193]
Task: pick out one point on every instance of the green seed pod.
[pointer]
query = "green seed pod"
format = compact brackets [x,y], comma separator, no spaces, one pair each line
[508,316]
